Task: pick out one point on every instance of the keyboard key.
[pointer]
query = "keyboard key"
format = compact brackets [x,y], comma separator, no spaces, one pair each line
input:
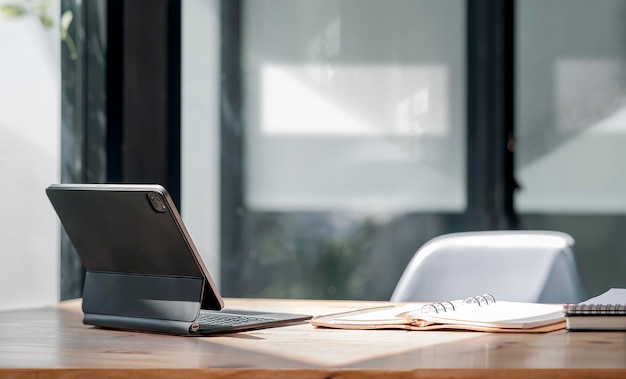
[230,320]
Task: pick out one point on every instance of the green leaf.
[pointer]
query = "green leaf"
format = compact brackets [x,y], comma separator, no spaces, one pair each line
[66,20]
[46,21]
[69,42]
[12,10]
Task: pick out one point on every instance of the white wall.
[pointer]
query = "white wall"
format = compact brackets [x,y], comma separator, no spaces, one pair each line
[29,161]
[200,127]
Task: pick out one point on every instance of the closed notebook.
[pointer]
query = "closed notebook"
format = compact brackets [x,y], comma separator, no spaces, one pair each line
[604,312]
[482,313]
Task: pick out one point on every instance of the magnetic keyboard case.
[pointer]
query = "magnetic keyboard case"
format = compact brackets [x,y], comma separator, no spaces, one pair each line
[143,271]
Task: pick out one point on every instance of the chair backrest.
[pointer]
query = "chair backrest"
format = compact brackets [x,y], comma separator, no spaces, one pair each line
[528,266]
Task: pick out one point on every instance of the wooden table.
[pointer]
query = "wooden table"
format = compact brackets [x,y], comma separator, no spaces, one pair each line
[52,342]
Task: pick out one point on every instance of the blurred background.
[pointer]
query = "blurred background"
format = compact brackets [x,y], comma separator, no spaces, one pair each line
[313,146]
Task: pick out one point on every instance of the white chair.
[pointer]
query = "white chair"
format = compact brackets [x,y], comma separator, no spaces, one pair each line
[528,266]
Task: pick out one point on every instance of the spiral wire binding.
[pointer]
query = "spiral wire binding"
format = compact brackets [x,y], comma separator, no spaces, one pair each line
[486,298]
[445,306]
[594,309]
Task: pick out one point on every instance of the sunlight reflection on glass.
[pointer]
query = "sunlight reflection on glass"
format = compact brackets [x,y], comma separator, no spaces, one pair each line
[294,102]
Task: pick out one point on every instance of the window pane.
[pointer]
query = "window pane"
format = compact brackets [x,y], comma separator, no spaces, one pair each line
[354,144]
[571,106]
[571,128]
[353,105]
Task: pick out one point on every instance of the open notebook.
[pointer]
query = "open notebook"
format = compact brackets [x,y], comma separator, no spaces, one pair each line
[481,313]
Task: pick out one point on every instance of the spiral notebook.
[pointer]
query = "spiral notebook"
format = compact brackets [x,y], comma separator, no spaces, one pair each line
[479,313]
[604,312]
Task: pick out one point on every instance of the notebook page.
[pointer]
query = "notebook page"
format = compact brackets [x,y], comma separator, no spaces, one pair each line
[388,316]
[612,296]
[404,314]
[502,314]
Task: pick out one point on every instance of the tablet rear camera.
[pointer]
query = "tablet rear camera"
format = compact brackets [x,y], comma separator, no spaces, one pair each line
[157,202]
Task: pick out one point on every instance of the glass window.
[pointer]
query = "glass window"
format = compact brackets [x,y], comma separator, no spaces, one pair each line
[354,105]
[571,113]
[572,96]
[353,139]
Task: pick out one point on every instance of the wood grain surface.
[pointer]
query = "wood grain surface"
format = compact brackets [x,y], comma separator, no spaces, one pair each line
[52,342]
